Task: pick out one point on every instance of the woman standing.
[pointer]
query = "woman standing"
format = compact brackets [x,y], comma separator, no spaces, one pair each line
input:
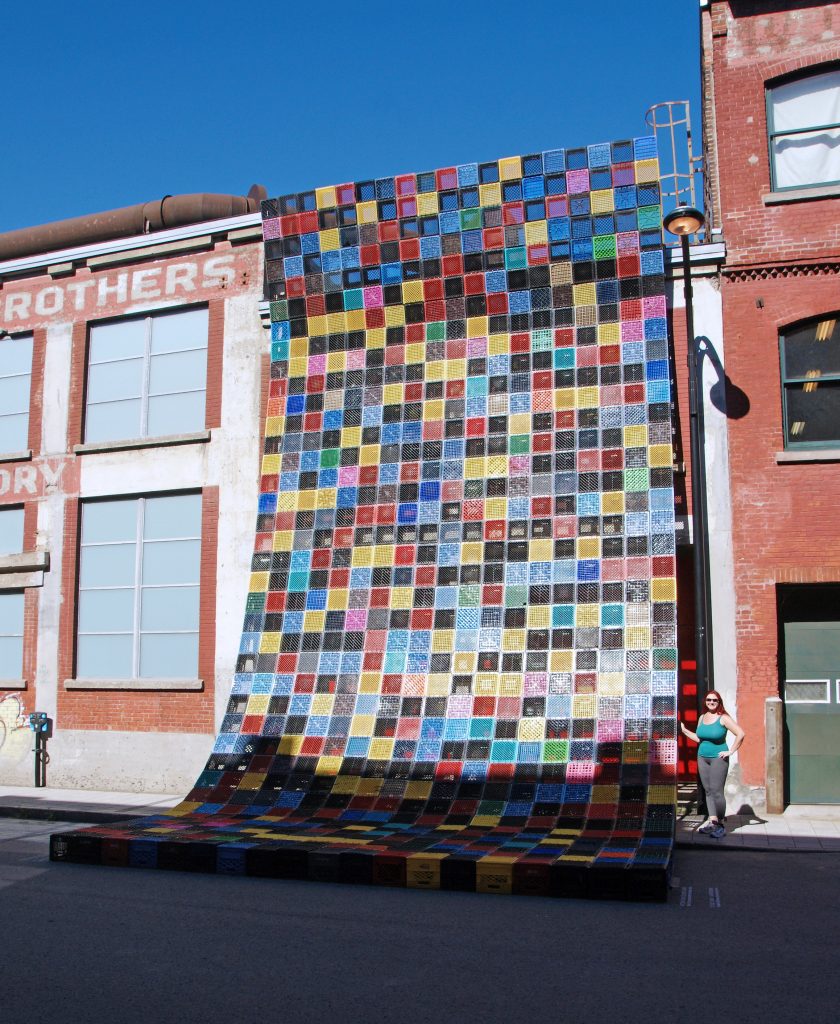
[713,758]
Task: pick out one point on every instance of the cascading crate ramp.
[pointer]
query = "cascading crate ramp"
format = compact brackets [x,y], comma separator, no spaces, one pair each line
[458,663]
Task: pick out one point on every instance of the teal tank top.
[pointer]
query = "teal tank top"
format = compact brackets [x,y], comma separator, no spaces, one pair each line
[712,739]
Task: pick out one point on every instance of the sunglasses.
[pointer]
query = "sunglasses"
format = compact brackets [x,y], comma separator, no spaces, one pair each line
[713,700]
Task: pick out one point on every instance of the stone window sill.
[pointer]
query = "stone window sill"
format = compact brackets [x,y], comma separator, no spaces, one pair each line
[17,456]
[798,195]
[134,684]
[13,684]
[169,441]
[809,455]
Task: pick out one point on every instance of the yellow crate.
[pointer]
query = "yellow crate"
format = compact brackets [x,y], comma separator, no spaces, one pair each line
[612,503]
[530,730]
[415,353]
[588,547]
[269,644]
[584,294]
[477,326]
[336,361]
[325,197]
[412,291]
[495,875]
[328,766]
[330,239]
[536,232]
[258,583]
[586,616]
[564,398]
[422,870]
[660,455]
[338,600]
[490,195]
[465,662]
[539,616]
[561,661]
[427,204]
[510,167]
[313,622]
[367,213]
[602,200]
[609,334]
[394,316]
[355,319]
[636,436]
[647,171]
[664,588]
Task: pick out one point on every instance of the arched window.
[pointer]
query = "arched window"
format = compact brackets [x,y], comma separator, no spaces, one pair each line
[803,122]
[810,355]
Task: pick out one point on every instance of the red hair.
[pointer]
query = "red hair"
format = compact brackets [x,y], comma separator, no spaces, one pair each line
[721,706]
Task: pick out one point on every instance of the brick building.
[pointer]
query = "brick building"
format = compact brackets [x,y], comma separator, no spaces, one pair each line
[771,81]
[130,389]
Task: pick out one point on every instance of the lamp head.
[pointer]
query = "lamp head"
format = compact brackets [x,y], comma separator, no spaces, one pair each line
[684,220]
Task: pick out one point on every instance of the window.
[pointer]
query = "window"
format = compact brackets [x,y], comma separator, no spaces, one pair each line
[15,378]
[138,588]
[803,118]
[810,356]
[147,377]
[11,635]
[11,531]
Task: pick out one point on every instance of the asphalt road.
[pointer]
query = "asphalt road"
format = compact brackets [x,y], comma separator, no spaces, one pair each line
[744,937]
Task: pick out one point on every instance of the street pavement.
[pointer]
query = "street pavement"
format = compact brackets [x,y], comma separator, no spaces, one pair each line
[746,938]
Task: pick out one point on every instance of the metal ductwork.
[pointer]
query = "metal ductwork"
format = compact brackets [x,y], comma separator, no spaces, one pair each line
[143,218]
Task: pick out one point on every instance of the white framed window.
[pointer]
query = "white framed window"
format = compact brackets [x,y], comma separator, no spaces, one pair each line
[11,635]
[11,530]
[139,566]
[807,691]
[15,384]
[803,123]
[147,376]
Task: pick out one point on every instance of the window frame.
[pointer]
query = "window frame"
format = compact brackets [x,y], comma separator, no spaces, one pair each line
[784,381]
[147,316]
[139,586]
[12,337]
[814,71]
[21,595]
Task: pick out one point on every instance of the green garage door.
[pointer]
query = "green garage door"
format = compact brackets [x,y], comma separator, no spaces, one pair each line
[812,711]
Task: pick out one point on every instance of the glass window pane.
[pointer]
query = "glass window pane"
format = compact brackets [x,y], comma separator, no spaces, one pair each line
[175,414]
[109,382]
[813,412]
[106,611]
[179,371]
[809,159]
[104,521]
[813,351]
[15,355]
[176,331]
[14,433]
[169,608]
[169,656]
[14,394]
[108,565]
[11,614]
[11,657]
[113,421]
[806,102]
[174,561]
[119,340]
[104,657]
[11,531]
[178,515]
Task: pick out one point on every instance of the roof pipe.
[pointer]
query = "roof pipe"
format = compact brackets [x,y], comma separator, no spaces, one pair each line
[140,219]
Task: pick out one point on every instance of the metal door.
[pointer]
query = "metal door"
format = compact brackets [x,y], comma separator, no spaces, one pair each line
[811,693]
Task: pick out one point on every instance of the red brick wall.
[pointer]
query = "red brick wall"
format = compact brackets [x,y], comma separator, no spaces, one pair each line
[785,524]
[141,710]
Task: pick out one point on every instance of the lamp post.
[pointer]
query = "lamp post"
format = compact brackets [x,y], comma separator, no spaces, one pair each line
[683,222]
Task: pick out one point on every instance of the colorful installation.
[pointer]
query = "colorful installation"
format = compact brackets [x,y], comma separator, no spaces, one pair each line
[458,665]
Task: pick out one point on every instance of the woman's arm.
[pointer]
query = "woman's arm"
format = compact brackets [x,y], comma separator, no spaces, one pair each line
[687,732]
[736,731]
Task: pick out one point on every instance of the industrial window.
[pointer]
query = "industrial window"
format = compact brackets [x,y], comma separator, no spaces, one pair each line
[11,530]
[11,635]
[803,120]
[810,355]
[147,376]
[15,380]
[139,588]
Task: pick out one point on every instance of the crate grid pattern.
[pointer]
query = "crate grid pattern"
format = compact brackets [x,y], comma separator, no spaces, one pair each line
[458,662]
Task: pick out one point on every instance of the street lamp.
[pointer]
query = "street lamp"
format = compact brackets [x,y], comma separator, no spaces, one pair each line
[684,221]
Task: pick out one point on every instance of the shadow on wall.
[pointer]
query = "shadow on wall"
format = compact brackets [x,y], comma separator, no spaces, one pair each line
[725,396]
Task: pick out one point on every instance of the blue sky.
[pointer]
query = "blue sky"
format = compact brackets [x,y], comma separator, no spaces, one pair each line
[108,104]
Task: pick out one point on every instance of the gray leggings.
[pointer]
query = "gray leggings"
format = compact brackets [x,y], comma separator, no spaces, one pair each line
[713,775]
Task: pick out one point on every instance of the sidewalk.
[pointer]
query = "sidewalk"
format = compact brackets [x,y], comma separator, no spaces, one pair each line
[81,805]
[799,828]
